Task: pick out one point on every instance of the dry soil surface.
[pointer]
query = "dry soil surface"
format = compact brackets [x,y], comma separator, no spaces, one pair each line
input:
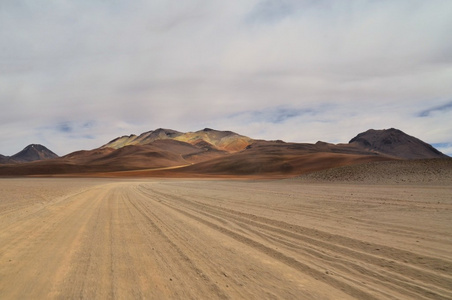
[194,239]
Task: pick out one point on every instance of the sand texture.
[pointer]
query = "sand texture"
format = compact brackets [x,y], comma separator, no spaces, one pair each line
[223,239]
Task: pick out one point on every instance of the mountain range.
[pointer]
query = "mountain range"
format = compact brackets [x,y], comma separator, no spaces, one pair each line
[208,152]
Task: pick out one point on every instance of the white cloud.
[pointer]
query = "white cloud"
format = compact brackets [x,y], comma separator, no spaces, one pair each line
[137,65]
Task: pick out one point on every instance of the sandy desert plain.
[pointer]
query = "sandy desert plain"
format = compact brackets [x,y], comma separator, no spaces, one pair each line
[150,238]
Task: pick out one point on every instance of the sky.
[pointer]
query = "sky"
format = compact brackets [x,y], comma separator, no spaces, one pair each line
[75,74]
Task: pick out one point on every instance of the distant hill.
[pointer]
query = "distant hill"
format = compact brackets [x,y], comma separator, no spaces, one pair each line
[396,143]
[33,152]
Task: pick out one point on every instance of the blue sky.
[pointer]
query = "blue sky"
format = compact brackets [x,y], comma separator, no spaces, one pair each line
[76,74]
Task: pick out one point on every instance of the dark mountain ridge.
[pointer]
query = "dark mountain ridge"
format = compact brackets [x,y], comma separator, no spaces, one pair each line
[33,152]
[396,143]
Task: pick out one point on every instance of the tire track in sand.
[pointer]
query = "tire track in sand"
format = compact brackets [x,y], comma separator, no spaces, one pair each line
[327,250]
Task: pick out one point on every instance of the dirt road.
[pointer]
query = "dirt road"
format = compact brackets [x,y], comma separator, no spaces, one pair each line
[176,239]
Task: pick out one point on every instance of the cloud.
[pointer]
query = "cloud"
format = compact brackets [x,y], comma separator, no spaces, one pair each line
[274,115]
[445,148]
[441,108]
[64,127]
[271,11]
[76,74]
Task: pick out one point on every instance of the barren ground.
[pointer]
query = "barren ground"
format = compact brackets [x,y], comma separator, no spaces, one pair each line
[198,239]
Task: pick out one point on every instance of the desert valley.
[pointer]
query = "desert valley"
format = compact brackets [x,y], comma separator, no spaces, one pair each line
[216,215]
[260,149]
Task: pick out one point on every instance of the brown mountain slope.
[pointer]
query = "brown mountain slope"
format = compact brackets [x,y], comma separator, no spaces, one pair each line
[86,156]
[157,154]
[138,157]
[266,157]
[284,165]
[395,143]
